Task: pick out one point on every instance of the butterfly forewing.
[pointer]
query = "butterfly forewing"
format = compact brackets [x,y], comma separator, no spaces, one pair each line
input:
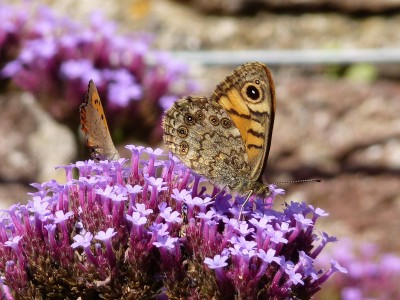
[248,96]
[94,125]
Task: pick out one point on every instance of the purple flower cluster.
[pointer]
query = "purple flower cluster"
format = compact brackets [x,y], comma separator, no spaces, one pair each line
[371,273]
[147,227]
[54,58]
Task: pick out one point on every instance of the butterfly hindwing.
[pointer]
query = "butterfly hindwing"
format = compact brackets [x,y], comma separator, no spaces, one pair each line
[203,136]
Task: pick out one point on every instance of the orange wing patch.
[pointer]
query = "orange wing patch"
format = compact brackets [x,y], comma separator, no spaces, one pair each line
[248,96]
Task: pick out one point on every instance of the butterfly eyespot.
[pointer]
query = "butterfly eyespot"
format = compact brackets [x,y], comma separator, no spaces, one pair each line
[252,92]
[214,120]
[200,115]
[182,132]
[189,119]
[184,148]
[257,81]
[226,123]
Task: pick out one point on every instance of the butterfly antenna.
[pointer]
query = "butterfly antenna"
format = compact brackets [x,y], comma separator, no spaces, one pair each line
[299,181]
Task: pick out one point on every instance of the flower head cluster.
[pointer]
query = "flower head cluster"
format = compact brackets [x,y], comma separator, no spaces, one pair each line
[54,58]
[138,228]
[371,273]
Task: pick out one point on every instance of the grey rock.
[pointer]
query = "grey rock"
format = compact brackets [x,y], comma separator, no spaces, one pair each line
[12,193]
[32,143]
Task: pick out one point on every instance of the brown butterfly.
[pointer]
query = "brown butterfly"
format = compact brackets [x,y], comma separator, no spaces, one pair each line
[94,125]
[226,138]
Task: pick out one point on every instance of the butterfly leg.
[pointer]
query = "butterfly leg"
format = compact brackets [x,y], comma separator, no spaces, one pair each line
[244,203]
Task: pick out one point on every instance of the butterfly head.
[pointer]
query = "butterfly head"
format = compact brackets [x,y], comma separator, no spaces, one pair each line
[251,188]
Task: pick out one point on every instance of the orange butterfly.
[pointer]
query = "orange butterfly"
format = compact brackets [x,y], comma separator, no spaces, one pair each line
[94,125]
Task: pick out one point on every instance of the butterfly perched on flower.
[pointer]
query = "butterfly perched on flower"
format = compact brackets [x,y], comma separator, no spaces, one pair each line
[227,137]
[94,125]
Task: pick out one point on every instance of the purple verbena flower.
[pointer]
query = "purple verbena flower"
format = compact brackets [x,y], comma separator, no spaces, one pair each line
[366,272]
[145,227]
[54,58]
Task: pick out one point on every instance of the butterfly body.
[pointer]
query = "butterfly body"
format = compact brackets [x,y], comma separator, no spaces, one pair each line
[226,138]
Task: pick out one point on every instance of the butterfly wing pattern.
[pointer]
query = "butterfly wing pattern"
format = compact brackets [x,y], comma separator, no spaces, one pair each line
[94,125]
[248,96]
[226,138]
[203,136]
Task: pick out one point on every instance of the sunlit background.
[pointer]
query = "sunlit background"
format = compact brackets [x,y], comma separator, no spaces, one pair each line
[336,66]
